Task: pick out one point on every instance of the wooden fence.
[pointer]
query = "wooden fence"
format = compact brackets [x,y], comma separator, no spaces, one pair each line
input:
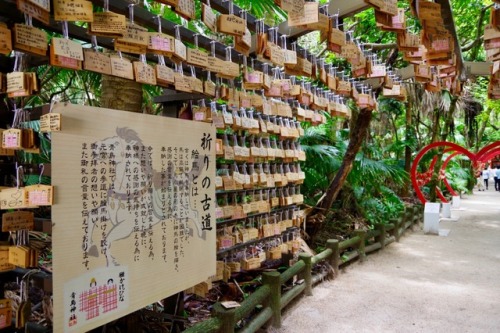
[269,295]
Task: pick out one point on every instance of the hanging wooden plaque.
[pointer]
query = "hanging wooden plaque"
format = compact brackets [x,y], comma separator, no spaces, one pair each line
[122,68]
[30,39]
[73,10]
[96,62]
[135,40]
[20,220]
[197,57]
[144,73]
[186,9]
[5,40]
[164,75]
[231,25]
[309,15]
[159,43]
[108,24]
[50,122]
[209,17]
[36,12]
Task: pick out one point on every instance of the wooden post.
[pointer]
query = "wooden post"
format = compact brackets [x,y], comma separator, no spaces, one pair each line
[306,258]
[335,257]
[273,280]
[381,238]
[227,318]
[397,225]
[361,247]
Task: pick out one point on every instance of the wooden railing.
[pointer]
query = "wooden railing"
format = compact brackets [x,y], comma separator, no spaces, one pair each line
[269,295]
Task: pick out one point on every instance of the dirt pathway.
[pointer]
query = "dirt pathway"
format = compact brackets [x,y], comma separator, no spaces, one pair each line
[422,284]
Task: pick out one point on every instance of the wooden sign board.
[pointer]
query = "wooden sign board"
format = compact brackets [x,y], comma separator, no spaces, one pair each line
[159,227]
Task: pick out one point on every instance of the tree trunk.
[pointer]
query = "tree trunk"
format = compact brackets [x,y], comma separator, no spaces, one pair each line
[444,135]
[406,187]
[121,94]
[358,135]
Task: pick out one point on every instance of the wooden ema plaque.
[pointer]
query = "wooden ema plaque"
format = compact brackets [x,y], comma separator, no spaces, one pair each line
[108,24]
[73,10]
[162,44]
[209,17]
[5,40]
[30,39]
[122,68]
[20,220]
[96,62]
[92,260]
[66,53]
[231,24]
[308,15]
[135,40]
[36,12]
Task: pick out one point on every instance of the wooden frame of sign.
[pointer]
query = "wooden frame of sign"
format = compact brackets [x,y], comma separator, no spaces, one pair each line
[171,242]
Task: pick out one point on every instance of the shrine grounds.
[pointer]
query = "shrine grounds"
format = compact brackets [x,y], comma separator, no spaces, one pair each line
[423,283]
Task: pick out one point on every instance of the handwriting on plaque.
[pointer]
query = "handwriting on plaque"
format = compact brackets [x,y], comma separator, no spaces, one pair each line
[292,5]
[186,9]
[309,15]
[122,68]
[209,17]
[108,24]
[181,83]
[5,266]
[144,73]
[197,57]
[96,62]
[164,75]
[5,40]
[50,122]
[34,11]
[73,10]
[215,65]
[229,69]
[21,220]
[232,25]
[15,81]
[135,40]
[30,39]
[67,48]
[180,50]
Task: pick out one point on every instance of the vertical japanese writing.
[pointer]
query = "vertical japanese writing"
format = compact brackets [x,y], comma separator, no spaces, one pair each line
[206,146]
[85,156]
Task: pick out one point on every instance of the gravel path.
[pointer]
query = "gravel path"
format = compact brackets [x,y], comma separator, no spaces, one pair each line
[422,284]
